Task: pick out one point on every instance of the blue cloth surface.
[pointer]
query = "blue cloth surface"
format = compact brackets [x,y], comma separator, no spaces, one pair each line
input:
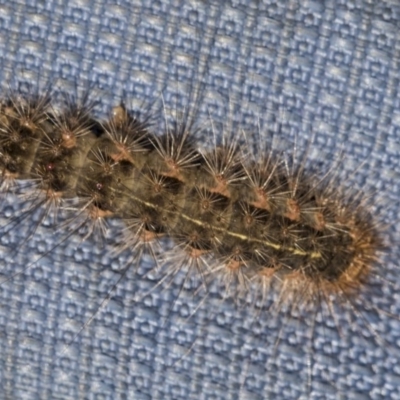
[300,72]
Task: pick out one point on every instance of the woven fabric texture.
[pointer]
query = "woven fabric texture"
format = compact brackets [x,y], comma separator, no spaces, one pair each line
[325,72]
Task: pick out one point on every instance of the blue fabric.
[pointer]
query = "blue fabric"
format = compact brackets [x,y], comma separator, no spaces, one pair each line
[326,72]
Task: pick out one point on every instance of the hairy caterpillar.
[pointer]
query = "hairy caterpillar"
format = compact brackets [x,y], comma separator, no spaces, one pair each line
[252,347]
[230,215]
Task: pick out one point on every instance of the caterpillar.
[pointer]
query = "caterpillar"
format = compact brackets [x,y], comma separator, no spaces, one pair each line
[251,217]
[149,336]
[250,222]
